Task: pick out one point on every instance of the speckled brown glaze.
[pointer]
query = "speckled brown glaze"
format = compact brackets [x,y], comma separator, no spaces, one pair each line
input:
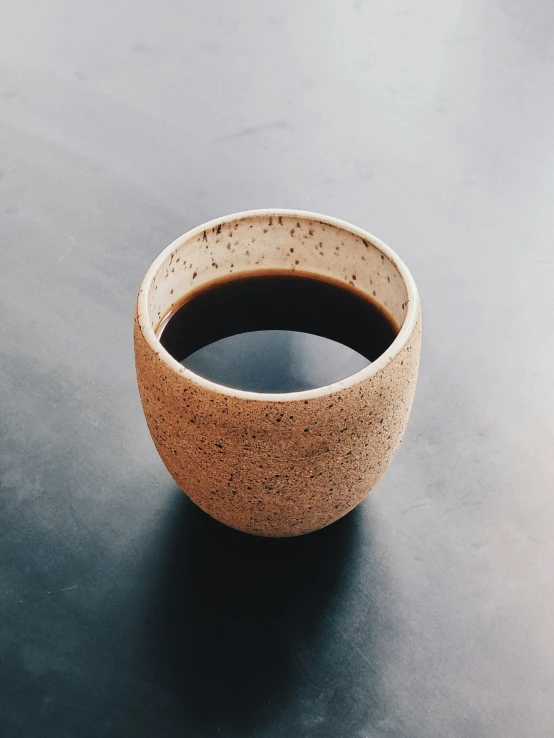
[280,464]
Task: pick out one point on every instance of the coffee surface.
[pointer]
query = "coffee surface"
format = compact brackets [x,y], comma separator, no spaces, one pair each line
[276,332]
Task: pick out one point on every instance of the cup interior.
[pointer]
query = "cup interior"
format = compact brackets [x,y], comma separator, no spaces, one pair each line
[258,242]
[277,241]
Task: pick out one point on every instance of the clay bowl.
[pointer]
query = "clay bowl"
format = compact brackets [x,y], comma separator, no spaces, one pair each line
[277,464]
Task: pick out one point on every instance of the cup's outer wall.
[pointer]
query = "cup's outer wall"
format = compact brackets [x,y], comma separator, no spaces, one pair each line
[277,468]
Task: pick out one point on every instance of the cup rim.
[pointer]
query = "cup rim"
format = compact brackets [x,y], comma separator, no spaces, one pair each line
[326,390]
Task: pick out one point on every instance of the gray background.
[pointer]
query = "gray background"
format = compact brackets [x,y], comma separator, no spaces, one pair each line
[124,610]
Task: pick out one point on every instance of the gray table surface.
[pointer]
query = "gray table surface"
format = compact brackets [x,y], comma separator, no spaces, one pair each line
[124,610]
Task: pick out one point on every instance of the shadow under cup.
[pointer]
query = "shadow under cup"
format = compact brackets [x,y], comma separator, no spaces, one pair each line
[289,463]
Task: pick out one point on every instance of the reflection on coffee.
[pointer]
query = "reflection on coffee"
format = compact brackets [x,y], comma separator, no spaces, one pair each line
[276,331]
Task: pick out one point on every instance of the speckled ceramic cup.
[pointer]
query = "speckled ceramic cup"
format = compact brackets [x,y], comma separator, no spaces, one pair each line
[277,464]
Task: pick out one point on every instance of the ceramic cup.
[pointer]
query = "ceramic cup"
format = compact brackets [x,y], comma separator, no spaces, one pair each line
[277,464]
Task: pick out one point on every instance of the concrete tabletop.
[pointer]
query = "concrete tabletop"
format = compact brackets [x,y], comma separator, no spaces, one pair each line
[124,611]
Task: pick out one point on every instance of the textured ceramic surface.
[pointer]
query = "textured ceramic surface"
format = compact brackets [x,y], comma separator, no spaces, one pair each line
[277,464]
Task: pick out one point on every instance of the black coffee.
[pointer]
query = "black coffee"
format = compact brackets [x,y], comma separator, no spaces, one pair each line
[276,332]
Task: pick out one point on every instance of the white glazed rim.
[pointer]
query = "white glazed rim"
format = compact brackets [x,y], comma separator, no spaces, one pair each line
[329,389]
